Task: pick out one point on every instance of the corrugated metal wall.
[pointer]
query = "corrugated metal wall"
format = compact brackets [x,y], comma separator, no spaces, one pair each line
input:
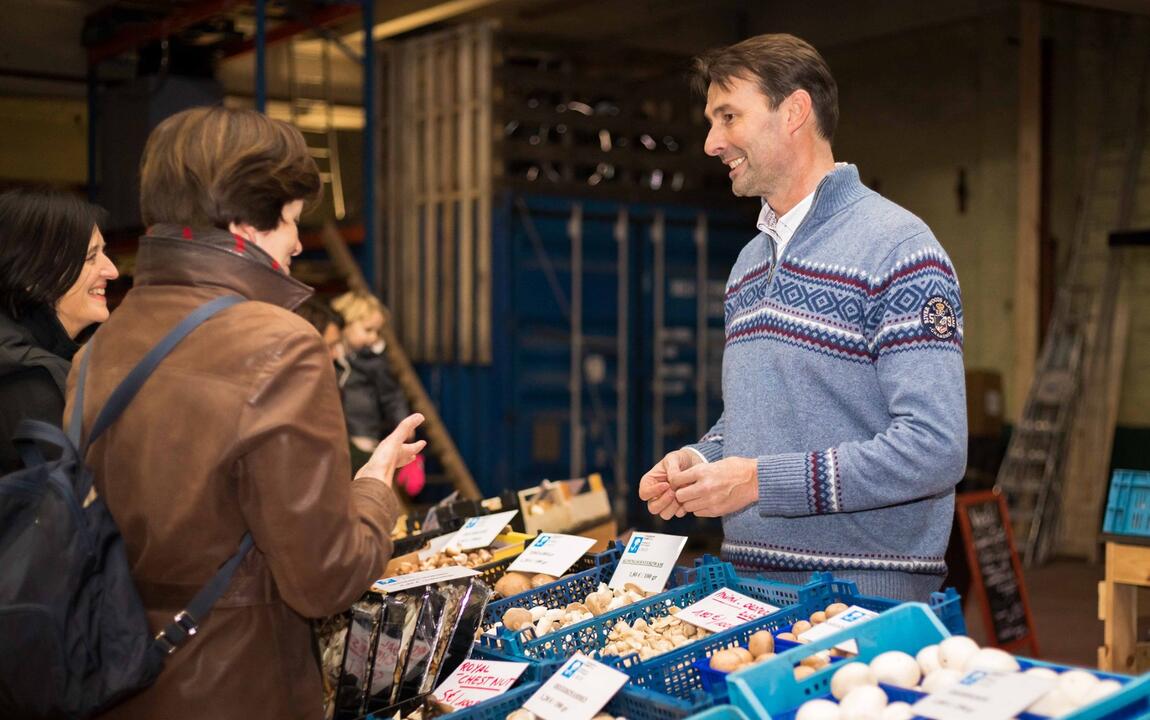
[596,336]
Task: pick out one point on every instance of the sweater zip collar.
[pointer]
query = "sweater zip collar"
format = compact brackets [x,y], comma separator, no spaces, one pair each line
[838,189]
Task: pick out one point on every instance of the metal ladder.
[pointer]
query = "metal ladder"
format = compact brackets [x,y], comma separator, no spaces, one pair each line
[1033,470]
[311,90]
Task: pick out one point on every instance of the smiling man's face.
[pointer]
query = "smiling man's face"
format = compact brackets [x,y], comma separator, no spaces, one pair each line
[748,136]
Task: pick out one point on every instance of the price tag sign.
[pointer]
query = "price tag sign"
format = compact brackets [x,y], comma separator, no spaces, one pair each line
[648,561]
[479,532]
[551,554]
[847,618]
[477,680]
[984,695]
[419,579]
[577,690]
[724,609]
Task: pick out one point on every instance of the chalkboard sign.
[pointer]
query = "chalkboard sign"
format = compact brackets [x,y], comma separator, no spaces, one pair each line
[995,570]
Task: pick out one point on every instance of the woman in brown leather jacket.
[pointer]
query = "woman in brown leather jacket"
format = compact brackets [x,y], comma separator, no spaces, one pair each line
[238,430]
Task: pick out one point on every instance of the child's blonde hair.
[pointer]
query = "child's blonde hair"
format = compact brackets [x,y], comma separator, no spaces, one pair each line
[357,306]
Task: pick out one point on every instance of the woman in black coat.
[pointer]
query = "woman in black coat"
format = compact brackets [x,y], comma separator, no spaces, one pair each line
[53,274]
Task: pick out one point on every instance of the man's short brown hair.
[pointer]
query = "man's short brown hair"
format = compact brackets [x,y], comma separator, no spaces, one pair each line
[780,64]
[215,165]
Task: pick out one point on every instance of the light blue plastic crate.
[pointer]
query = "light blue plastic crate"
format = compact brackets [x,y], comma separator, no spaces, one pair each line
[1128,504]
[574,588]
[720,712]
[691,585]
[770,691]
[684,672]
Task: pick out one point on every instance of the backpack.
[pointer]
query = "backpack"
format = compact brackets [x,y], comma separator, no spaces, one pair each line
[73,630]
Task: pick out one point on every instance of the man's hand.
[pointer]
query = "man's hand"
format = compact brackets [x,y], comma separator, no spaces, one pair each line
[393,452]
[655,487]
[718,488]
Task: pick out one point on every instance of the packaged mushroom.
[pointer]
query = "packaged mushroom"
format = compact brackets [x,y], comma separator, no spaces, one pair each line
[399,645]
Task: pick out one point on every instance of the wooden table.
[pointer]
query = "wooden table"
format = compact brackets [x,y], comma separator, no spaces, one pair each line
[1127,569]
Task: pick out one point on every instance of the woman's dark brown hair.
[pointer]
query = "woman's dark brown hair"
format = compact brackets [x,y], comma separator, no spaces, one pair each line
[780,64]
[44,238]
[212,166]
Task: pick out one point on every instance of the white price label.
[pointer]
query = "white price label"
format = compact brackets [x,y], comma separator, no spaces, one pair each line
[577,690]
[551,554]
[847,618]
[648,561]
[419,579]
[984,695]
[725,609]
[477,680]
[479,532]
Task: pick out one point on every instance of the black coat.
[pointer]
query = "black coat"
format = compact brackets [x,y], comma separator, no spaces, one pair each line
[35,355]
[373,402]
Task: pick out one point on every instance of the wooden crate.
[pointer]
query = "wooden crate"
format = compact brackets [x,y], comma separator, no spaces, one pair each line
[1127,570]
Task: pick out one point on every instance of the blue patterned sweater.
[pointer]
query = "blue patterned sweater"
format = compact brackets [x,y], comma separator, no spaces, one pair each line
[843,376]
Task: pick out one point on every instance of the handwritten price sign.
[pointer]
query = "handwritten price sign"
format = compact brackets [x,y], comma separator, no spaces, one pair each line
[725,609]
[477,680]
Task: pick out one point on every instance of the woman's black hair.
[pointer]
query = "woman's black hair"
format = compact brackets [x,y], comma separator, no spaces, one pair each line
[44,237]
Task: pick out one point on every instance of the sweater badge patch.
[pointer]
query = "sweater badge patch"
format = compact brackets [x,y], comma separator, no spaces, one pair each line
[938,317]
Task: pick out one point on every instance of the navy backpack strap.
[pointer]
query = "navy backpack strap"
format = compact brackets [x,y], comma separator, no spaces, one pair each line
[31,432]
[187,622]
[131,384]
[75,428]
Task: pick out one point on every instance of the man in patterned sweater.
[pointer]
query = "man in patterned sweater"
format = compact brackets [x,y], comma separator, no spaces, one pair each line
[843,430]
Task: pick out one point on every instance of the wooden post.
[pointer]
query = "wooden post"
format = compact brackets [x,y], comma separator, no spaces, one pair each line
[439,441]
[1026,252]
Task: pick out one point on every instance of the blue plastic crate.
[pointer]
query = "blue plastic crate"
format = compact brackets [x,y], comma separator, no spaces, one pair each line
[823,588]
[685,673]
[720,712]
[715,681]
[631,701]
[770,690]
[592,570]
[1128,504]
[590,635]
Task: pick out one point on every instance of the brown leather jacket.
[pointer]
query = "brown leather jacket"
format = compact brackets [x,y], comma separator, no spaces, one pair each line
[239,429]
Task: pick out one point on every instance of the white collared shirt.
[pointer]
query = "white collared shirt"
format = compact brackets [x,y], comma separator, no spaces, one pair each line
[783,228]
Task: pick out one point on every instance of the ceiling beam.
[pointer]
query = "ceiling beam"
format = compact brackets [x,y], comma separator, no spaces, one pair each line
[138,35]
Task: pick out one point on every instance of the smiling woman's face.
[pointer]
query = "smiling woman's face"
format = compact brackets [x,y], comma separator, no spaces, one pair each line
[84,303]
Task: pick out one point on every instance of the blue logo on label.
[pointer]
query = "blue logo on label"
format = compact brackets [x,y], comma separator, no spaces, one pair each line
[388,581]
[636,543]
[471,523]
[572,668]
[853,616]
[542,540]
[973,677]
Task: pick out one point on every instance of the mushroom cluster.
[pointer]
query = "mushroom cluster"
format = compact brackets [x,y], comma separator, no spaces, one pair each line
[652,637]
[545,620]
[450,556]
[935,668]
[761,646]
